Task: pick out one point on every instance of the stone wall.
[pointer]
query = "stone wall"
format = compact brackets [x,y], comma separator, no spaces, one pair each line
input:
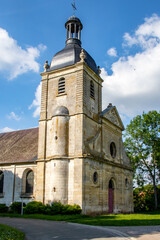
[73,147]
[13,183]
[96,193]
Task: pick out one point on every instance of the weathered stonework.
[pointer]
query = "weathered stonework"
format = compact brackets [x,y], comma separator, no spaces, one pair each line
[81,158]
[13,183]
[78,145]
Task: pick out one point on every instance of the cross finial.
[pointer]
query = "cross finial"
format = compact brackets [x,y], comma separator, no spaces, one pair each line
[74,7]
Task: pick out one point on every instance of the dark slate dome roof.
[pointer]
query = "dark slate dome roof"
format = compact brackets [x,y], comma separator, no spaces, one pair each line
[71,55]
[61,111]
[74,19]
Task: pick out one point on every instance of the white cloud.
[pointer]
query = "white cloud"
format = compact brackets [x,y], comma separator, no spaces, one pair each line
[12,115]
[112,52]
[36,102]
[6,129]
[14,60]
[135,81]
[42,47]
[147,35]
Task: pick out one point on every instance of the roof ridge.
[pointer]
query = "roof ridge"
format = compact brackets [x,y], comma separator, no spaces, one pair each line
[18,130]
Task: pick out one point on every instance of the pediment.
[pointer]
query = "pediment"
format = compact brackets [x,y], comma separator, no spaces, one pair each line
[112,115]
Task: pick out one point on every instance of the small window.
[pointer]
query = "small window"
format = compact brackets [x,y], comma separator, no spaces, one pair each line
[1,181]
[29,182]
[91,89]
[95,177]
[126,182]
[61,86]
[113,149]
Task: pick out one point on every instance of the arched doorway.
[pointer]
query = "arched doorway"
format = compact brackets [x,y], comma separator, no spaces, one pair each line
[110,196]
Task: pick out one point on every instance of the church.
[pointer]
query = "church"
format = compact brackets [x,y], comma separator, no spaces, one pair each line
[76,156]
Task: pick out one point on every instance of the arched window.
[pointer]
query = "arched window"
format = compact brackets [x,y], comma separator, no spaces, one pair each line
[126,182]
[95,177]
[29,182]
[1,181]
[91,89]
[111,184]
[113,149]
[61,85]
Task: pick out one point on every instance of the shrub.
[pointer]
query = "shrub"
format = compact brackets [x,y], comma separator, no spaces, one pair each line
[53,209]
[34,207]
[47,209]
[15,207]
[56,208]
[71,209]
[3,208]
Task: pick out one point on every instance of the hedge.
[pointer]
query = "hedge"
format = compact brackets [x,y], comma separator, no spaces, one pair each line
[53,209]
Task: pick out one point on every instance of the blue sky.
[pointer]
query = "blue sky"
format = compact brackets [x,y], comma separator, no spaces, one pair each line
[123,36]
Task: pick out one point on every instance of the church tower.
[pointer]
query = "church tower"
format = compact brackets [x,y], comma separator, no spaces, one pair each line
[80,147]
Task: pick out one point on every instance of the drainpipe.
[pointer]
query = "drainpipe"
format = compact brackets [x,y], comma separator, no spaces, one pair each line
[14,177]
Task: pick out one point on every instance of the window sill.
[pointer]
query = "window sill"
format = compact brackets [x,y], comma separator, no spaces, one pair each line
[26,195]
[92,97]
[1,195]
[61,94]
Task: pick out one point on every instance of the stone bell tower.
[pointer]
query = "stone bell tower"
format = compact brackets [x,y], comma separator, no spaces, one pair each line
[81,159]
[66,101]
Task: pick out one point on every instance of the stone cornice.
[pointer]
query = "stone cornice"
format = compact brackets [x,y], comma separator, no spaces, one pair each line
[98,159]
[41,120]
[76,67]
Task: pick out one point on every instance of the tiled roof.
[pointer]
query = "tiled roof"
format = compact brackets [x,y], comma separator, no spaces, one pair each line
[19,146]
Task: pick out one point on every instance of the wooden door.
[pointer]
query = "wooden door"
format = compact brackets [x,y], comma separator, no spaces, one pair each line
[110,197]
[110,200]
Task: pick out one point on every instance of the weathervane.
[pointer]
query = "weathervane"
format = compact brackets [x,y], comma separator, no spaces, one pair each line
[74,7]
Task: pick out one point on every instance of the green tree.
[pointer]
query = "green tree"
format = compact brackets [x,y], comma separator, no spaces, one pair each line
[142,144]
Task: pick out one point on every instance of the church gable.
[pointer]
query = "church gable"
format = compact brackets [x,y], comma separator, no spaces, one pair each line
[112,115]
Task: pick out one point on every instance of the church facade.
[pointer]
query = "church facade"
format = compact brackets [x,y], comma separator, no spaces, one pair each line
[76,156]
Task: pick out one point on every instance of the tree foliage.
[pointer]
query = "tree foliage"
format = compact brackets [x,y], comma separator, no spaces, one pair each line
[142,144]
[143,198]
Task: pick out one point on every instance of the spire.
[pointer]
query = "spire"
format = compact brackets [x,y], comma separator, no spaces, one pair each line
[74,27]
[74,7]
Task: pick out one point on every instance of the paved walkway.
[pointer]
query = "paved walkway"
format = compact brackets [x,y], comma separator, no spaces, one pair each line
[141,232]
[49,230]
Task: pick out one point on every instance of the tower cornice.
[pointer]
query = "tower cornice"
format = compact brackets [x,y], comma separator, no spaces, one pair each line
[74,67]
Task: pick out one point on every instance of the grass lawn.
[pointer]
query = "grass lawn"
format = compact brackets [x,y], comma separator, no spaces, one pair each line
[9,233]
[122,220]
[146,219]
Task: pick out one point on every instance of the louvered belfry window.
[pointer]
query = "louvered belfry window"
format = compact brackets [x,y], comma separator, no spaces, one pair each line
[1,181]
[91,89]
[61,86]
[29,182]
